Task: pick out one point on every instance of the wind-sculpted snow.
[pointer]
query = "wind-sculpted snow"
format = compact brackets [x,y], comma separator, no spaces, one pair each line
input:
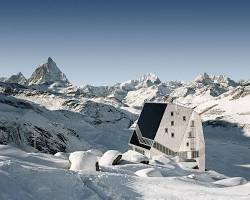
[42,176]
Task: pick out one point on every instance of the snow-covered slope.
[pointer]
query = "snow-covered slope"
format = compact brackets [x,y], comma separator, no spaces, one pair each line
[42,176]
[27,125]
[22,122]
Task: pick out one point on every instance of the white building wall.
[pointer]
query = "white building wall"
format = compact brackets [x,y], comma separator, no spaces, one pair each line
[178,129]
[188,134]
[200,142]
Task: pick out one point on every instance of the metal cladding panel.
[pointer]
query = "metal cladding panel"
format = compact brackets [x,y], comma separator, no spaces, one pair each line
[134,140]
[150,119]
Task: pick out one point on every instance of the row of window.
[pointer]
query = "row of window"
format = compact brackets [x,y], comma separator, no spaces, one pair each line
[192,123]
[167,151]
[172,134]
[183,118]
[163,149]
[195,154]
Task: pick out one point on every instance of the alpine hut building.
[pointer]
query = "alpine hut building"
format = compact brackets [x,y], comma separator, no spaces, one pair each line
[170,129]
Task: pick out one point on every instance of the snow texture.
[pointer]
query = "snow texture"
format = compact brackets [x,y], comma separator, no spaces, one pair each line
[42,176]
[135,157]
[83,160]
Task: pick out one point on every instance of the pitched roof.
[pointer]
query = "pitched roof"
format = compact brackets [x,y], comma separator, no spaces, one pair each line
[150,118]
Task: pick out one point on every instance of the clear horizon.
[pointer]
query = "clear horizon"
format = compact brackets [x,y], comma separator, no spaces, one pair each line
[101,43]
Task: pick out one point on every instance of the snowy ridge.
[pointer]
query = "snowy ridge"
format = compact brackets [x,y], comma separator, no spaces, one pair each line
[134,93]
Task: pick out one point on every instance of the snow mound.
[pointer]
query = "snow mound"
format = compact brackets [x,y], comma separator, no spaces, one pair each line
[111,157]
[82,160]
[62,155]
[149,172]
[133,156]
[229,182]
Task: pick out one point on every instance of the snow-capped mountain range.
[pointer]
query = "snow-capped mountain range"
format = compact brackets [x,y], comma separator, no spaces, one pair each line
[48,113]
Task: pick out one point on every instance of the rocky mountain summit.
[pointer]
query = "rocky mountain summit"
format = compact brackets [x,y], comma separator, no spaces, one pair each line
[18,78]
[47,73]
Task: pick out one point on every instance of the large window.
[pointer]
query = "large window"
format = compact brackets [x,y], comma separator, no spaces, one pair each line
[195,154]
[163,149]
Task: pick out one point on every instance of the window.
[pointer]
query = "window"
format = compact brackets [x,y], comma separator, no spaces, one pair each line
[172,113]
[192,123]
[172,123]
[166,130]
[160,147]
[187,144]
[184,118]
[172,135]
[167,151]
[195,154]
[190,134]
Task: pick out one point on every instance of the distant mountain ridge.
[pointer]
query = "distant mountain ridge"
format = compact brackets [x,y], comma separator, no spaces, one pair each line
[47,113]
[132,93]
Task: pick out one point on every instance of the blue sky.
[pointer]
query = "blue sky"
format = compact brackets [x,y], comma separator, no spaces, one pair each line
[103,42]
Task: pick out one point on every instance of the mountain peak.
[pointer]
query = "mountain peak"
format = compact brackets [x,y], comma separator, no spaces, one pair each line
[50,60]
[222,80]
[47,73]
[17,78]
[202,78]
[149,77]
